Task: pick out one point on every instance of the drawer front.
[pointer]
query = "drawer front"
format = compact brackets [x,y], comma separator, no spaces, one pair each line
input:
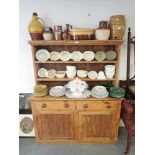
[96,105]
[55,105]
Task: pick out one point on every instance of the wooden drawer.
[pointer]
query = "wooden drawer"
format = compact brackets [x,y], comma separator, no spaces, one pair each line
[96,105]
[55,105]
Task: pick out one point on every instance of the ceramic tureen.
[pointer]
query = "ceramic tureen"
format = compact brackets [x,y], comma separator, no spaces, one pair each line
[77,89]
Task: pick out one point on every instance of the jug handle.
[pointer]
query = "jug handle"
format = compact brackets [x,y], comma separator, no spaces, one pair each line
[41,21]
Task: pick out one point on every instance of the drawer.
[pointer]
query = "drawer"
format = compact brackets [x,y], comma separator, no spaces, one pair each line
[55,105]
[96,105]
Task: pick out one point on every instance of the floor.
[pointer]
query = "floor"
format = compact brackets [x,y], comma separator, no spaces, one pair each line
[27,146]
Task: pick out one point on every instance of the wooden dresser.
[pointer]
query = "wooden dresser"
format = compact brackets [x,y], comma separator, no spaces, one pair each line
[64,120]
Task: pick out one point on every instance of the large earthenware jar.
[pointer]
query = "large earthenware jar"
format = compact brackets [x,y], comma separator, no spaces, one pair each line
[36,27]
[117,25]
[103,32]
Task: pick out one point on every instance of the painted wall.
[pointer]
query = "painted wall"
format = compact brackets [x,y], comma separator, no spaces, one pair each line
[74,12]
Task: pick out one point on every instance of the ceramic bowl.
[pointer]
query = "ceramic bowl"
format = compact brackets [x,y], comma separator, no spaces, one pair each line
[82,73]
[60,74]
[71,74]
[102,34]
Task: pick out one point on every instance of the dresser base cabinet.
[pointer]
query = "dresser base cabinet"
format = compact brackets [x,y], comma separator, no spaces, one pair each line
[62,120]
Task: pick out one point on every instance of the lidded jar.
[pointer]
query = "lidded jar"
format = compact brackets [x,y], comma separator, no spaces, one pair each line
[36,27]
[103,32]
[58,32]
[117,25]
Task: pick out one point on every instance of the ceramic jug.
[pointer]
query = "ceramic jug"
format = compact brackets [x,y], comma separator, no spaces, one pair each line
[36,27]
[103,32]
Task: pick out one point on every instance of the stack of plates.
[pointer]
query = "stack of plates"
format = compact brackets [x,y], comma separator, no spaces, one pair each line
[99,92]
[57,91]
[117,92]
[40,90]
[84,94]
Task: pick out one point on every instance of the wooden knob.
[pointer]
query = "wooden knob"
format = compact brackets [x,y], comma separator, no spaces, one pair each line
[66,105]
[44,105]
[85,105]
[108,106]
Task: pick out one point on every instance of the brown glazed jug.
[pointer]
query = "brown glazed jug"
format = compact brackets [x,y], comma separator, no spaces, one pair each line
[36,27]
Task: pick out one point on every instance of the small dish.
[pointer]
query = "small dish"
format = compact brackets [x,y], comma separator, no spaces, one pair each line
[92,74]
[100,56]
[54,55]
[65,55]
[42,55]
[88,55]
[60,74]
[42,72]
[51,73]
[76,56]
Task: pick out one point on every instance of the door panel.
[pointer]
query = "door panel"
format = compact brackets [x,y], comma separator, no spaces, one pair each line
[56,125]
[97,124]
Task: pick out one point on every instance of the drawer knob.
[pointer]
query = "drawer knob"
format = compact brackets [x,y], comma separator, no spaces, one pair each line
[85,105]
[108,106]
[66,105]
[44,105]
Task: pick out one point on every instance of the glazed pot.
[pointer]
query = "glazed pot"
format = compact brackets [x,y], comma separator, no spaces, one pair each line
[103,32]
[36,27]
[117,27]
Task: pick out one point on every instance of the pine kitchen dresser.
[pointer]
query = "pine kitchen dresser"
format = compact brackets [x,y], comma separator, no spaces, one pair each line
[64,120]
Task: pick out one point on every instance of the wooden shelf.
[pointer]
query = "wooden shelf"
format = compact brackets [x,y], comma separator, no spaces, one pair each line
[69,79]
[75,62]
[72,42]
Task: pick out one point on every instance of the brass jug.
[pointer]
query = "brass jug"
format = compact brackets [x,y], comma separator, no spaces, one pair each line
[36,28]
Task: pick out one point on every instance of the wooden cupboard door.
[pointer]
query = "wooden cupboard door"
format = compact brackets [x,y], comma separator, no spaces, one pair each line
[55,125]
[97,125]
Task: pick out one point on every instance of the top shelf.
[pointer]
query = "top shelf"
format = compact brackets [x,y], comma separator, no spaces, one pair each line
[72,42]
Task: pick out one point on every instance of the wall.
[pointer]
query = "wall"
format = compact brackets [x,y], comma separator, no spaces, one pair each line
[74,12]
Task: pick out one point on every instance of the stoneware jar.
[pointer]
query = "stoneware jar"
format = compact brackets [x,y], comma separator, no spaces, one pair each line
[117,25]
[103,32]
[48,33]
[36,27]
[66,34]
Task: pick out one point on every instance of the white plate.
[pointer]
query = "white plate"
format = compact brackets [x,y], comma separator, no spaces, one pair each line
[100,56]
[51,73]
[57,91]
[65,55]
[42,72]
[88,55]
[76,56]
[54,55]
[92,74]
[42,55]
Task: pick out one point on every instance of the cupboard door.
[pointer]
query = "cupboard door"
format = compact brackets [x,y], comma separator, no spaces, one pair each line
[97,125]
[55,124]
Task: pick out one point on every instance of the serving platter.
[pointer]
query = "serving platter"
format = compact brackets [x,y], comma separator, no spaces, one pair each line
[76,56]
[88,55]
[54,55]
[42,72]
[65,55]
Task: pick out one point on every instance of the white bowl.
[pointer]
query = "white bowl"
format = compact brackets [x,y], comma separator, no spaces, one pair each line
[102,34]
[82,73]
[60,74]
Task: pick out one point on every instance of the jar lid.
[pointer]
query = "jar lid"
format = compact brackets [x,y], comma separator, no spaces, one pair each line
[48,29]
